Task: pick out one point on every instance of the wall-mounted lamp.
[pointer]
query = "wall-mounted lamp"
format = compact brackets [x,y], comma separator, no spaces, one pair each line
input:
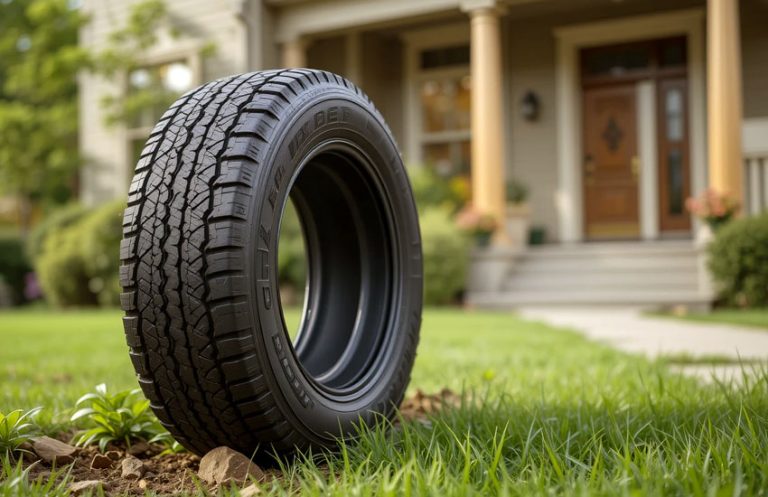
[530,106]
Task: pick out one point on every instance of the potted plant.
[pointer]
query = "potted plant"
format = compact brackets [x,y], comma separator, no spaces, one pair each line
[518,213]
[714,208]
[479,225]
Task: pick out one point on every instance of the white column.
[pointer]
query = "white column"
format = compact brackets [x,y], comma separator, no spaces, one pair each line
[649,181]
[724,98]
[488,178]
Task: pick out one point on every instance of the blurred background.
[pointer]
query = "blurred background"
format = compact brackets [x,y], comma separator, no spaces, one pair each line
[561,151]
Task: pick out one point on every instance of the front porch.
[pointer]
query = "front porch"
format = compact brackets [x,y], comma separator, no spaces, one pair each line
[607,186]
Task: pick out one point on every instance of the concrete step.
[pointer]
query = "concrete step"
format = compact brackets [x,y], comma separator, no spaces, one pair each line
[649,298]
[525,279]
[624,263]
[627,273]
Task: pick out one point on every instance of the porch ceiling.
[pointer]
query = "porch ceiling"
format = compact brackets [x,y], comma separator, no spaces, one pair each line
[301,18]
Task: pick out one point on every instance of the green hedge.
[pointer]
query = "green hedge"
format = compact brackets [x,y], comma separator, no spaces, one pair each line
[738,259]
[78,261]
[60,218]
[446,257]
[291,254]
[14,266]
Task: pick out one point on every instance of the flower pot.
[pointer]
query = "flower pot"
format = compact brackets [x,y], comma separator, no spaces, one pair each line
[483,239]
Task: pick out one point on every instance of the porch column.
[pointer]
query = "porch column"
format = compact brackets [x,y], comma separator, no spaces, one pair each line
[488,182]
[724,98]
[294,53]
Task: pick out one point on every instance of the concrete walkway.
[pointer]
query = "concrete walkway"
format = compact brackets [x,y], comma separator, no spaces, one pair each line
[630,330]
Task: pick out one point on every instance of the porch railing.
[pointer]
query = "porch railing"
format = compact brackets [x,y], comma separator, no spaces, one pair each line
[756,179]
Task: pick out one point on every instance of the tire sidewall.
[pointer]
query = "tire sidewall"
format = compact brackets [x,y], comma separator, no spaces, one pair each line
[318,116]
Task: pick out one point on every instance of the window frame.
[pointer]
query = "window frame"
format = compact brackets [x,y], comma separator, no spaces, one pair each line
[417,41]
[190,55]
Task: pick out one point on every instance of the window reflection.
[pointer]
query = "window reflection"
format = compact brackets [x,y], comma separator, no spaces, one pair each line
[445,104]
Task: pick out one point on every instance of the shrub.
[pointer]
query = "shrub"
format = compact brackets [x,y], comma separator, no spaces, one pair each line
[738,259]
[291,257]
[446,252]
[431,190]
[59,219]
[14,266]
[79,263]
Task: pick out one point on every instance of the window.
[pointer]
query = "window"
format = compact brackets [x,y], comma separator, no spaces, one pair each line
[150,90]
[444,95]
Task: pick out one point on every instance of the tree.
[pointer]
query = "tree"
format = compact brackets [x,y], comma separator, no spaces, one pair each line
[39,62]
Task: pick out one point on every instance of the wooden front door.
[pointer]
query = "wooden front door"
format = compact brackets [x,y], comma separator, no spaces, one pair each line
[610,165]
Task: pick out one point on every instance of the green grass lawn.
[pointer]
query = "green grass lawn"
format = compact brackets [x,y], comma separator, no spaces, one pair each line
[545,413]
[757,318]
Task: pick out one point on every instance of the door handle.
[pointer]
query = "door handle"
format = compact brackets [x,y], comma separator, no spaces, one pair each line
[635,165]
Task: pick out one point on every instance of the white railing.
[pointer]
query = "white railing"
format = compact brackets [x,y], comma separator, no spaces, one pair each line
[756,180]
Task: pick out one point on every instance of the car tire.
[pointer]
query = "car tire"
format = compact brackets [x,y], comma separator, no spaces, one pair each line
[203,318]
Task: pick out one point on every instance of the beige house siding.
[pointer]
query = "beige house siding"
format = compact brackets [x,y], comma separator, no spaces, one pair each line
[200,22]
[382,79]
[532,151]
[328,54]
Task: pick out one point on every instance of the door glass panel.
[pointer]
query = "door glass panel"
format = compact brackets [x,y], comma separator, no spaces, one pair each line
[674,111]
[445,104]
[675,181]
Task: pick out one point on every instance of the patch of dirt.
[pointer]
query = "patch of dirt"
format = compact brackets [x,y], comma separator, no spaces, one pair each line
[420,405]
[171,474]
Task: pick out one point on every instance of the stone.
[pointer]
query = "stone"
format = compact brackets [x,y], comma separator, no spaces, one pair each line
[143,484]
[138,449]
[114,455]
[101,461]
[133,468]
[223,465]
[250,491]
[52,451]
[81,487]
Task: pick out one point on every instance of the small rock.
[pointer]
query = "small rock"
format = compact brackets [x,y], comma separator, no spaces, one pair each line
[143,484]
[250,491]
[133,468]
[114,455]
[224,465]
[138,449]
[149,474]
[82,487]
[51,450]
[101,461]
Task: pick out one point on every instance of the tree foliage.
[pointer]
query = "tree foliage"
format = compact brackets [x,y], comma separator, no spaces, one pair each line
[39,63]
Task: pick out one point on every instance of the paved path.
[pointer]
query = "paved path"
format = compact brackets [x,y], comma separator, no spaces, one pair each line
[630,330]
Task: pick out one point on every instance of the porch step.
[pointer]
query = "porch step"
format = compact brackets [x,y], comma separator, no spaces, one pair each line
[641,273]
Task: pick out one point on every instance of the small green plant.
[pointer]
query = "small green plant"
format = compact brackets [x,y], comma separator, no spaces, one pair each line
[123,416]
[15,480]
[16,427]
[170,443]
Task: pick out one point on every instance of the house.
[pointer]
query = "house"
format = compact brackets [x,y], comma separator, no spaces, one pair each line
[613,112]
